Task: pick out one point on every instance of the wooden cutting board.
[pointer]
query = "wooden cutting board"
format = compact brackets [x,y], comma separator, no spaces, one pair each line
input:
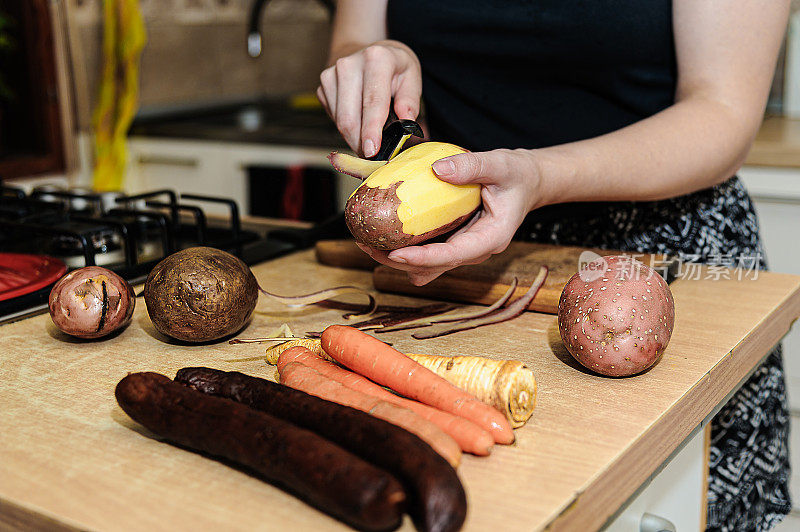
[486,282]
[343,254]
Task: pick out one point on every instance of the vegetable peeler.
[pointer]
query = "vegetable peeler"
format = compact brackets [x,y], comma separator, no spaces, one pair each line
[395,133]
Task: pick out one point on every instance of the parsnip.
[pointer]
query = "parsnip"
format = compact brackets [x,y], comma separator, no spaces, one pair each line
[507,385]
[312,344]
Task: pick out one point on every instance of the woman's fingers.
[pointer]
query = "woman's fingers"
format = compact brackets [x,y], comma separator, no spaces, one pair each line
[379,69]
[349,79]
[425,263]
[408,94]
[475,217]
[327,80]
[422,277]
[484,168]
[416,274]
[381,256]
[357,92]
[484,238]
[323,100]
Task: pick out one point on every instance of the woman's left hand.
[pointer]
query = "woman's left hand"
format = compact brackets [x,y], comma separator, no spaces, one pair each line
[510,182]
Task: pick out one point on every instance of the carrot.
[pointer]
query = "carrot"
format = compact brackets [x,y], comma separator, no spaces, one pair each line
[507,385]
[470,437]
[306,379]
[382,364]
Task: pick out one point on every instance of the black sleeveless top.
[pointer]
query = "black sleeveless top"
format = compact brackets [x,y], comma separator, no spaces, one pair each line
[534,73]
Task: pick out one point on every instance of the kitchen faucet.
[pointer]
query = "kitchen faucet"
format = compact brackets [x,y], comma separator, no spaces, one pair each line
[254,37]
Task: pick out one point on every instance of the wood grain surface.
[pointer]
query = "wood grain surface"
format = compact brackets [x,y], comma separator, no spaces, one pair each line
[69,455]
[485,283]
[343,254]
[776,144]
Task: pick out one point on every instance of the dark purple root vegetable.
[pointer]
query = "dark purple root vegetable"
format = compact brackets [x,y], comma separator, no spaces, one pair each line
[202,294]
[319,471]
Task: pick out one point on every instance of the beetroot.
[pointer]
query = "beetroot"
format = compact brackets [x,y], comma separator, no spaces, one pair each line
[616,316]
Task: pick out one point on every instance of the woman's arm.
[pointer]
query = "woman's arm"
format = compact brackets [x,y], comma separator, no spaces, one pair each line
[366,71]
[356,25]
[726,59]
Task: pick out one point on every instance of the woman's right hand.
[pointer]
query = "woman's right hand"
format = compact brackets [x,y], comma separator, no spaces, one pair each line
[358,89]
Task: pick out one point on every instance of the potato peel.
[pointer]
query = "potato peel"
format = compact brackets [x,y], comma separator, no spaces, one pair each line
[354,166]
[323,295]
[516,308]
[446,317]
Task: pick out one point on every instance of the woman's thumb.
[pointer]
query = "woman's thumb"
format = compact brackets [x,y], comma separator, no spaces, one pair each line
[464,168]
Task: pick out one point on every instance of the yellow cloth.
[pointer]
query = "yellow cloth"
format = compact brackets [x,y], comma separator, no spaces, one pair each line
[124,38]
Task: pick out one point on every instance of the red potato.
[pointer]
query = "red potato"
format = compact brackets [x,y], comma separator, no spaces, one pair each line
[616,316]
[91,302]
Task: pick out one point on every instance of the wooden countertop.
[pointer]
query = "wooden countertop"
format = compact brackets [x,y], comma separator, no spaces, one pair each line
[777,143]
[70,456]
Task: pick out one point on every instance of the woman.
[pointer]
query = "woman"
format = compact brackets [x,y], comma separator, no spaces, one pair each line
[614,124]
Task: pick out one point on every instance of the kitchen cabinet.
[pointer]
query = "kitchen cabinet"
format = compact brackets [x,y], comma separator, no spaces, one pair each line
[675,495]
[70,454]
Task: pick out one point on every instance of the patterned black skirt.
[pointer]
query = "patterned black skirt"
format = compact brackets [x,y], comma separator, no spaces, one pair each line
[749,463]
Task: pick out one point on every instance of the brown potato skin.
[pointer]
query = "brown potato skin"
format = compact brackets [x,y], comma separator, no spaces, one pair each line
[371,216]
[319,471]
[200,294]
[85,304]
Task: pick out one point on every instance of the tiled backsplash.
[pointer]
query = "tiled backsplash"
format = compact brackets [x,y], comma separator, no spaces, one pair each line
[196,50]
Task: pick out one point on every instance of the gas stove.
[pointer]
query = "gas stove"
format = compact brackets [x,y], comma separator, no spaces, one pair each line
[128,234]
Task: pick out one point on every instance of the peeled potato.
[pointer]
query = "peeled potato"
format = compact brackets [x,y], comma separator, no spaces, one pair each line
[403,203]
[91,302]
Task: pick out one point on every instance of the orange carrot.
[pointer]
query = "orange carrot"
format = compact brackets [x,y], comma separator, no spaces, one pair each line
[301,377]
[470,437]
[380,363]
